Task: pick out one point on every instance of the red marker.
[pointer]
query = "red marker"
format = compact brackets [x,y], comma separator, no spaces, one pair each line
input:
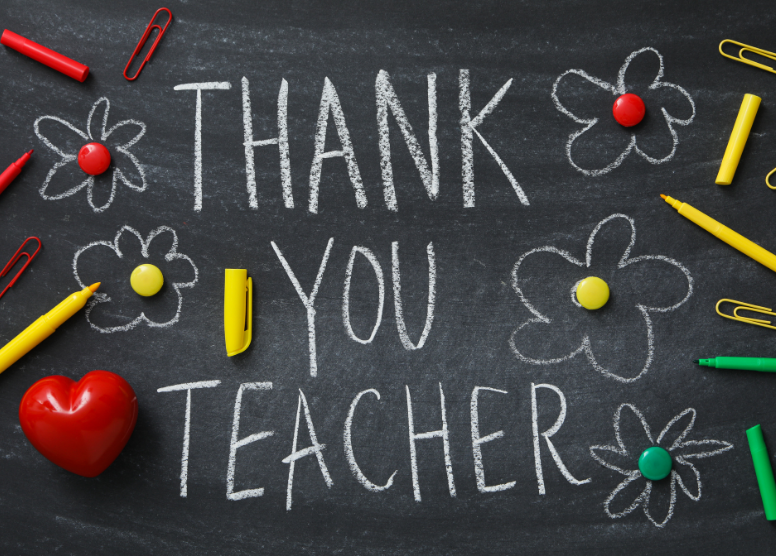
[44,55]
[12,171]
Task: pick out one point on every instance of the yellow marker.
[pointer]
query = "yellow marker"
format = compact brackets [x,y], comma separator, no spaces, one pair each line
[237,329]
[146,280]
[592,293]
[44,327]
[738,138]
[734,239]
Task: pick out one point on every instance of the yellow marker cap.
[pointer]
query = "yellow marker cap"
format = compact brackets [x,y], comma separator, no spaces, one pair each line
[738,138]
[146,280]
[592,293]
[237,329]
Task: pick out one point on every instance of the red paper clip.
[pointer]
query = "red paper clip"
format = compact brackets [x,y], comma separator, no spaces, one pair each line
[18,255]
[144,38]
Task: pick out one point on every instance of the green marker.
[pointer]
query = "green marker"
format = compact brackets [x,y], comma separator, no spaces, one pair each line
[763,470]
[765,364]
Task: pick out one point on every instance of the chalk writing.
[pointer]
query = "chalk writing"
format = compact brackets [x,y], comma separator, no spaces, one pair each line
[316,448]
[308,301]
[330,103]
[386,99]
[350,455]
[235,444]
[199,87]
[442,433]
[546,435]
[188,387]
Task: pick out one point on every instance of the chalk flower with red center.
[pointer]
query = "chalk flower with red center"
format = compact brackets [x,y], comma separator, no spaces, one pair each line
[66,177]
[603,144]
[616,338]
[656,498]
[116,307]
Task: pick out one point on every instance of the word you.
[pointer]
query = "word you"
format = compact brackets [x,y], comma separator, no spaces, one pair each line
[386,101]
[308,300]
[317,449]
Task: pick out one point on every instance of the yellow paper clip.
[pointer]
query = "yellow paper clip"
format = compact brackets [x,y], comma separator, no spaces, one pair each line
[767,182]
[746,48]
[747,307]
[238,294]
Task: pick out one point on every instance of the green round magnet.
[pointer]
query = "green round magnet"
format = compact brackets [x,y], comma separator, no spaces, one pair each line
[655,463]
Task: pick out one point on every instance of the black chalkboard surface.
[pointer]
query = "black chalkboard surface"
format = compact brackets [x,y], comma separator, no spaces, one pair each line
[415,190]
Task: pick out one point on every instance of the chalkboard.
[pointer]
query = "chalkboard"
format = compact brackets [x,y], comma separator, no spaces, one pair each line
[415,189]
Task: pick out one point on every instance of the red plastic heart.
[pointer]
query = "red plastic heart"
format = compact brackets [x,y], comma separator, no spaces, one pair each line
[80,426]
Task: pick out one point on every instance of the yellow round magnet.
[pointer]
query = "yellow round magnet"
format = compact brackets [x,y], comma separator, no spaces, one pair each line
[592,293]
[146,280]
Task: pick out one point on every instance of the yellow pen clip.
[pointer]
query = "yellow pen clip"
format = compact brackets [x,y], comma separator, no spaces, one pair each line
[746,48]
[747,307]
[238,300]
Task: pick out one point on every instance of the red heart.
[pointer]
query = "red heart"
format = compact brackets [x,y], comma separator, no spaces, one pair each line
[81,426]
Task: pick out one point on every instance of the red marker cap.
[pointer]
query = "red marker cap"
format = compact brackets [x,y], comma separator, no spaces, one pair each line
[44,55]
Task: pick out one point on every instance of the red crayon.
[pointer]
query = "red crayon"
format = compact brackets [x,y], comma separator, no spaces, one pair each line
[12,171]
[44,55]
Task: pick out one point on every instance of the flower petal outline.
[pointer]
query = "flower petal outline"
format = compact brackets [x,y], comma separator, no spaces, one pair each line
[635,504]
[671,504]
[585,343]
[67,160]
[620,449]
[105,113]
[171,255]
[678,441]
[679,479]
[620,89]
[722,447]
[49,144]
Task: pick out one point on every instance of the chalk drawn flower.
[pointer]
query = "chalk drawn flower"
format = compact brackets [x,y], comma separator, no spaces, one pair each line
[615,338]
[656,498]
[66,178]
[111,263]
[602,142]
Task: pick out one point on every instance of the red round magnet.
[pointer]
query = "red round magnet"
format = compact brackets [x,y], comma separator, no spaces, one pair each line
[94,159]
[628,110]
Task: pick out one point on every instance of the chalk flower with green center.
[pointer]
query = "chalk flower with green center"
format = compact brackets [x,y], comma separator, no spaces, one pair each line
[656,498]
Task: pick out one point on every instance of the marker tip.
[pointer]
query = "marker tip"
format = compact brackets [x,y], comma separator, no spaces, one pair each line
[31,151]
[698,361]
[663,196]
[94,287]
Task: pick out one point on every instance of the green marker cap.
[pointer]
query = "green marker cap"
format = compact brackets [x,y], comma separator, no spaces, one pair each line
[763,470]
[655,463]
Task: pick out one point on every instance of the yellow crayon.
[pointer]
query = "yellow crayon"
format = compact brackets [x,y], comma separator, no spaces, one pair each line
[734,239]
[44,327]
[738,138]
